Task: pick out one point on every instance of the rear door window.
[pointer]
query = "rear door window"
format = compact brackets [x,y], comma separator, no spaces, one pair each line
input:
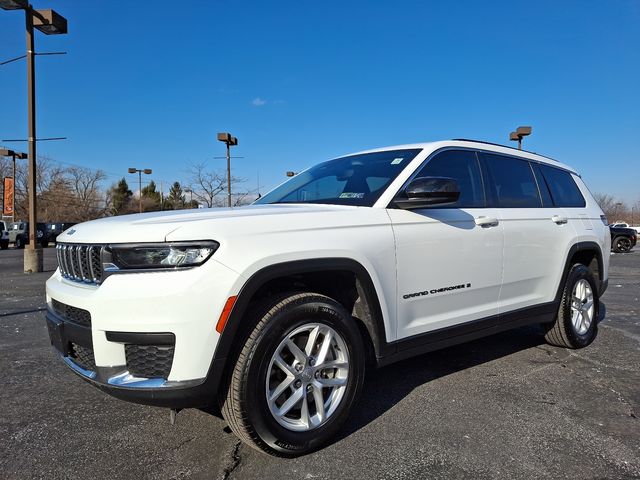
[563,187]
[542,186]
[512,182]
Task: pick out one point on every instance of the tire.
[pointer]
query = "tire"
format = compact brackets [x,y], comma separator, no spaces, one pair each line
[4,245]
[254,375]
[621,244]
[567,330]
[44,244]
[19,242]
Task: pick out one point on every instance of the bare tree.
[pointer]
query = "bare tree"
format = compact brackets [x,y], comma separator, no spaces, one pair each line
[615,210]
[208,186]
[90,201]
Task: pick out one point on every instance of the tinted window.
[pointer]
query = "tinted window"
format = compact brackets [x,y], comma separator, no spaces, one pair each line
[563,188]
[512,182]
[542,186]
[355,180]
[462,166]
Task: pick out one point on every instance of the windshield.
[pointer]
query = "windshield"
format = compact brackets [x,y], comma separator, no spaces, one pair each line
[357,180]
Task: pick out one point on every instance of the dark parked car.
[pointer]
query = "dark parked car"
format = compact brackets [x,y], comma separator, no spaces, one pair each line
[623,239]
[4,236]
[56,229]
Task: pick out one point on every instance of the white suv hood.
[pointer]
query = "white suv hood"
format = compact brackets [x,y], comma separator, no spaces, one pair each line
[202,223]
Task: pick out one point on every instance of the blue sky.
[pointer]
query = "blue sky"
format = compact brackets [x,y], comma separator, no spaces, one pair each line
[148,84]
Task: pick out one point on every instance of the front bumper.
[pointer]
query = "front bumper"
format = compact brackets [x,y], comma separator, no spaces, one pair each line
[135,310]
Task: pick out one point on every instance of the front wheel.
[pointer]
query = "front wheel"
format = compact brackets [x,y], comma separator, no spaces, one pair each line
[621,245]
[19,242]
[297,377]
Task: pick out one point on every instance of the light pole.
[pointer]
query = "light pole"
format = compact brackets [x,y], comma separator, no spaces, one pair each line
[13,154]
[229,141]
[190,192]
[519,134]
[50,23]
[146,171]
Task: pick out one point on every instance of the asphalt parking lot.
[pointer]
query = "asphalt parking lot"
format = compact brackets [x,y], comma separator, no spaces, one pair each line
[508,406]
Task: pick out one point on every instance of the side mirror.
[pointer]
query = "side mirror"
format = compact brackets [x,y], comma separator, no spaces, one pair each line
[426,191]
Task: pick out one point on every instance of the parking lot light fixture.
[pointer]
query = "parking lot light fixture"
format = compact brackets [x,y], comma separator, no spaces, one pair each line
[50,23]
[146,171]
[519,134]
[229,141]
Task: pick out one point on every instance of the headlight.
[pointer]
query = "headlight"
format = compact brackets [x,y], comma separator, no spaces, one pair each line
[159,255]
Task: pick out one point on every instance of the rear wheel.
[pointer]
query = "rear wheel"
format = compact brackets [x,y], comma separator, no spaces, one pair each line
[4,245]
[297,377]
[576,324]
[621,244]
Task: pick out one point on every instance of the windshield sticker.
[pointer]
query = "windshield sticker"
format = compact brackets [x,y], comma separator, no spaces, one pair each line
[396,161]
[351,195]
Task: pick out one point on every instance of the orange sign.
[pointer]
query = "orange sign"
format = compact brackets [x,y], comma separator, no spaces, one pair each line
[8,196]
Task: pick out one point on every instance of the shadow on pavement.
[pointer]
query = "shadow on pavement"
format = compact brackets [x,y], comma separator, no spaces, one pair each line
[388,386]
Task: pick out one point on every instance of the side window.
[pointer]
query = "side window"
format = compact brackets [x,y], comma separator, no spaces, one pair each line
[563,188]
[542,186]
[513,183]
[462,166]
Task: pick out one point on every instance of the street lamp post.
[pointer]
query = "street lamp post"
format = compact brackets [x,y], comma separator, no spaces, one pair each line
[13,154]
[229,141]
[146,171]
[519,134]
[50,23]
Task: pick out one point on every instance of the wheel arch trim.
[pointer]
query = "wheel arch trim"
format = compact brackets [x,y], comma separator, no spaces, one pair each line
[374,324]
[581,247]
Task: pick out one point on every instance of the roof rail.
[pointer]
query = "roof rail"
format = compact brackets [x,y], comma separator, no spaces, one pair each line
[500,145]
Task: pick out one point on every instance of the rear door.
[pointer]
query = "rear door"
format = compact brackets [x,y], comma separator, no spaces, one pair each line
[536,232]
[449,258]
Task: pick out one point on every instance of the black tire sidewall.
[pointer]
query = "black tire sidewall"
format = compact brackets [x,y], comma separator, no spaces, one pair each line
[281,324]
[579,272]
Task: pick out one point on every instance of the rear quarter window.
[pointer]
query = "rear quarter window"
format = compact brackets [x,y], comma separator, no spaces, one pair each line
[563,188]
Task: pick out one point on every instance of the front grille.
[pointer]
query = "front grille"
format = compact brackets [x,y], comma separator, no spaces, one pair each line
[72,314]
[80,263]
[83,356]
[149,361]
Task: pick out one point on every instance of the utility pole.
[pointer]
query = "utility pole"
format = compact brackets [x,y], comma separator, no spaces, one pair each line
[48,22]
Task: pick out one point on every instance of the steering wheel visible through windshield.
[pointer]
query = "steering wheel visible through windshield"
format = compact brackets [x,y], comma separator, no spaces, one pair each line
[357,180]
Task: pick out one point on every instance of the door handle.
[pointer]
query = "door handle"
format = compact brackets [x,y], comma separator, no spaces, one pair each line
[486,221]
[559,220]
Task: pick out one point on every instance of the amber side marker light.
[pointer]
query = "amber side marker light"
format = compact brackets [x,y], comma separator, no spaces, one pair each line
[224,316]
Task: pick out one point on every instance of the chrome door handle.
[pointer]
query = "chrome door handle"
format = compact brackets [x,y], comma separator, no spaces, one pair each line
[486,221]
[559,220]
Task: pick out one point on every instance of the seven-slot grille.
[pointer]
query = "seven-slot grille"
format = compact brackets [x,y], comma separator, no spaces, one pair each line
[80,263]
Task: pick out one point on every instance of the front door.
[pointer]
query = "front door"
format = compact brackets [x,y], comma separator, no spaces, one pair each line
[449,258]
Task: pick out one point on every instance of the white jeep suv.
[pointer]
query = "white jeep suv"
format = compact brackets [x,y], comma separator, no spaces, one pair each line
[272,311]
